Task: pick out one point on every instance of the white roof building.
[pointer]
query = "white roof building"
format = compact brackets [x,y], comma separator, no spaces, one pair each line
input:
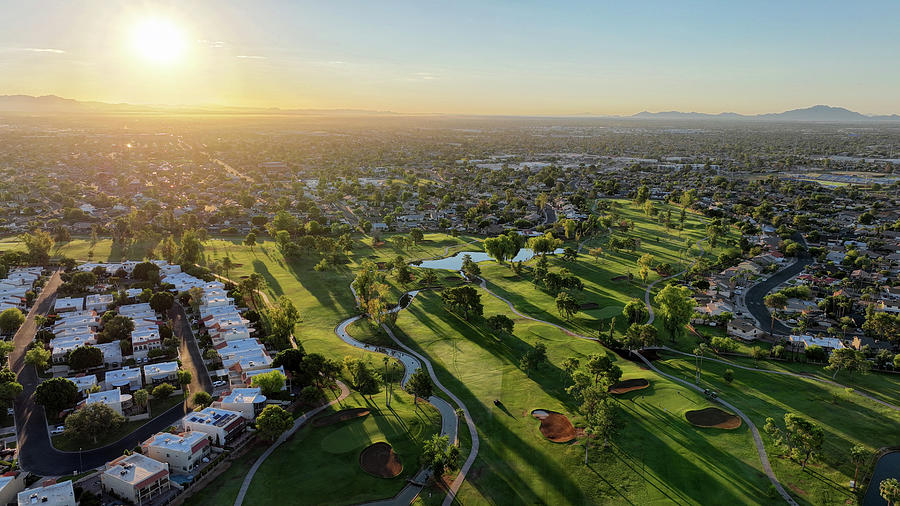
[68,304]
[112,398]
[127,378]
[58,494]
[248,401]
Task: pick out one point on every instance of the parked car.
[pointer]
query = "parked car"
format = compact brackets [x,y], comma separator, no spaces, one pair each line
[58,430]
[219,383]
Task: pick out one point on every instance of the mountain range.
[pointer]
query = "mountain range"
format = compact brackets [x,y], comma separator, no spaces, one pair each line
[814,113]
[54,104]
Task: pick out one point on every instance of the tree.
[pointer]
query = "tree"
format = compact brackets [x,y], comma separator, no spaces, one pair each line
[567,305]
[439,456]
[115,328]
[463,298]
[675,308]
[184,377]
[191,248]
[757,354]
[470,268]
[10,320]
[141,397]
[85,357]
[728,376]
[227,264]
[163,391]
[859,454]
[643,193]
[9,388]
[428,277]
[800,437]
[92,420]
[849,359]
[500,323]
[161,302]
[363,377]
[56,395]
[534,357]
[635,311]
[291,360]
[721,344]
[699,353]
[889,490]
[250,240]
[774,301]
[271,383]
[201,399]
[420,385]
[38,244]
[146,271]
[283,317]
[81,281]
[416,235]
[38,357]
[273,421]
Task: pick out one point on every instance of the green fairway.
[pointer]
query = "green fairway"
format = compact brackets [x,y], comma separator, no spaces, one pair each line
[656,456]
[321,464]
[846,418]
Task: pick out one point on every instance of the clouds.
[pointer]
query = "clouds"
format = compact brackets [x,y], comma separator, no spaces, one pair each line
[251,57]
[37,50]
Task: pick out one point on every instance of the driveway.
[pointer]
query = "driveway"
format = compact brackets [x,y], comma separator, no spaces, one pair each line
[36,453]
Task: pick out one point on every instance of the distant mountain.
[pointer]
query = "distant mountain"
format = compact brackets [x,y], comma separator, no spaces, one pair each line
[814,113]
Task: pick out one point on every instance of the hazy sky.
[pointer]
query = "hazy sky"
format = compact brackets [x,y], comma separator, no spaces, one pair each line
[484,56]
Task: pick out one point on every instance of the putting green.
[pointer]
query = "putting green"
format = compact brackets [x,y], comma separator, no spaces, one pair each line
[356,435]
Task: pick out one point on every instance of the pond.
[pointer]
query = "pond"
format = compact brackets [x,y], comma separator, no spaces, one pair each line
[454,263]
[888,466]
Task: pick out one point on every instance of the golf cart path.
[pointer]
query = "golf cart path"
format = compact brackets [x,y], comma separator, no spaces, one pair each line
[412,361]
[789,373]
[760,448]
[281,439]
[757,440]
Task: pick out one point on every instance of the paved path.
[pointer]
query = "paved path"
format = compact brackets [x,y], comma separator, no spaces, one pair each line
[789,373]
[757,440]
[281,439]
[412,361]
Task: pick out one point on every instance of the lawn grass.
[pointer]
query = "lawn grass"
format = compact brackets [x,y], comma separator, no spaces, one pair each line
[157,407]
[224,489]
[846,418]
[321,464]
[656,456]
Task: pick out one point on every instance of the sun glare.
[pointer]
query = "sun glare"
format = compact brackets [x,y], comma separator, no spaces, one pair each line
[158,40]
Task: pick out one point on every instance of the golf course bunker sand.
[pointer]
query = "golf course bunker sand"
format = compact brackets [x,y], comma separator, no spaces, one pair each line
[713,418]
[380,460]
[555,426]
[340,416]
[629,385]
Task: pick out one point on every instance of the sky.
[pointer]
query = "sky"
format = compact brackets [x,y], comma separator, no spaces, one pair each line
[479,57]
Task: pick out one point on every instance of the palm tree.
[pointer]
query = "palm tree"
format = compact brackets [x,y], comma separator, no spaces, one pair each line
[858,455]
[774,301]
[699,352]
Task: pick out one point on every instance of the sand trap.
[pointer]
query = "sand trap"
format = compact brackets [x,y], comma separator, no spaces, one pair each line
[555,426]
[340,416]
[713,418]
[629,385]
[380,460]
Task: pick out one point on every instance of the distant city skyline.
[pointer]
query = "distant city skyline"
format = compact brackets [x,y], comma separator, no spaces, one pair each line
[464,57]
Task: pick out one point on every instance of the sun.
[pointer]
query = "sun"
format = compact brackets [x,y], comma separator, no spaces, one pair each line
[158,40]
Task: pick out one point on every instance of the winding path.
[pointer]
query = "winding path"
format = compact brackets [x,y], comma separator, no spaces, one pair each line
[757,440]
[290,432]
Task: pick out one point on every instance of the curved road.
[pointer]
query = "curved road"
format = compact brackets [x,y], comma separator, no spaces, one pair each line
[36,453]
[756,294]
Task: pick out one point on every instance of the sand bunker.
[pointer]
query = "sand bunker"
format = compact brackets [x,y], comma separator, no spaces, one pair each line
[380,460]
[629,385]
[340,416]
[713,418]
[555,426]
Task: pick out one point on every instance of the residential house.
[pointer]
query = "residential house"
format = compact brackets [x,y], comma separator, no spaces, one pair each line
[136,478]
[248,401]
[182,452]
[51,494]
[165,372]
[113,398]
[221,424]
[126,378]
